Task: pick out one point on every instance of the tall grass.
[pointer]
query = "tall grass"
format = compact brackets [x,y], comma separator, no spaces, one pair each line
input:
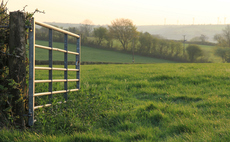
[150,102]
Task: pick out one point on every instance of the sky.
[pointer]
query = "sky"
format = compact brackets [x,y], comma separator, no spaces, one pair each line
[141,12]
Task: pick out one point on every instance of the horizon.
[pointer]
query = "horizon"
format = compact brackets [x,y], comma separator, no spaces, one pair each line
[148,25]
[147,12]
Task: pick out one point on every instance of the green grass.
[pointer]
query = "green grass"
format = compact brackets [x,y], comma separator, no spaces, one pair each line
[145,102]
[93,55]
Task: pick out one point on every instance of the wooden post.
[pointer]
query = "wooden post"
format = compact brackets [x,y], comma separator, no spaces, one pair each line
[17,64]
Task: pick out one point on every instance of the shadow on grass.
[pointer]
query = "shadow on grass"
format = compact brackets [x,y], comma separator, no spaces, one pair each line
[153,96]
[150,115]
[181,128]
[164,78]
[166,97]
[185,99]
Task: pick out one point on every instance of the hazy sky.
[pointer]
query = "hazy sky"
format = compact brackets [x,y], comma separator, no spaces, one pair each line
[141,12]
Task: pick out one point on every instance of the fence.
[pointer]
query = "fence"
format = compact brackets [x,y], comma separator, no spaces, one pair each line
[32,67]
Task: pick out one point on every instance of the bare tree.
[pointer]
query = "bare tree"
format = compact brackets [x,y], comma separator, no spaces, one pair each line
[123,30]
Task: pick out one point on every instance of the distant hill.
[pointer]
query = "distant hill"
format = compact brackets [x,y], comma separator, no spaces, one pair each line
[63,25]
[174,32]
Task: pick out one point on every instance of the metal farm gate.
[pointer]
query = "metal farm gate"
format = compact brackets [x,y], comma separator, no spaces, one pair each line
[32,67]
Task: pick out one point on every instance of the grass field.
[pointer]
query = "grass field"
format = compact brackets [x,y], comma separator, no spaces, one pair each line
[93,55]
[142,102]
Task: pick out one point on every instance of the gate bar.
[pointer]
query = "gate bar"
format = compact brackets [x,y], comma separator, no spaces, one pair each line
[47,105]
[55,49]
[55,92]
[57,69]
[56,29]
[56,80]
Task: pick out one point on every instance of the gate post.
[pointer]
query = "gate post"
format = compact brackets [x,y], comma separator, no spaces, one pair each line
[31,73]
[17,64]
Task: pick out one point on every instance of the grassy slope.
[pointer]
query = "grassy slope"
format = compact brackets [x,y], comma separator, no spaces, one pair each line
[209,51]
[94,55]
[150,102]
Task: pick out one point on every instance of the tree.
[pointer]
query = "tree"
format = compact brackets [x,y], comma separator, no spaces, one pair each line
[166,49]
[226,34]
[145,40]
[162,46]
[203,38]
[224,38]
[86,27]
[178,49]
[58,36]
[85,30]
[194,51]
[100,33]
[155,41]
[220,39]
[42,33]
[109,38]
[195,39]
[224,53]
[123,30]
[73,30]
[173,47]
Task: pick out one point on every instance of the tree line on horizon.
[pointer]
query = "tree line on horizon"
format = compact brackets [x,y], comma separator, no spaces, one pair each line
[122,35]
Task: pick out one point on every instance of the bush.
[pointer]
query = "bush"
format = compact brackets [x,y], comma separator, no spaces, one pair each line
[224,53]
[194,51]
[5,82]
